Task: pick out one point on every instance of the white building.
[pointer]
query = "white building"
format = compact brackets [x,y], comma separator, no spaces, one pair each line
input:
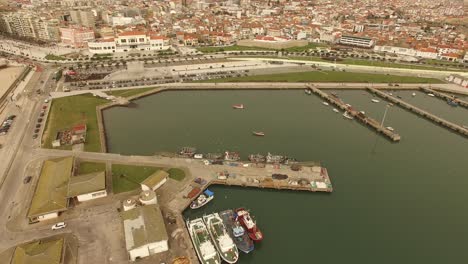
[357,41]
[457,79]
[127,41]
[154,181]
[427,53]
[395,50]
[87,187]
[145,231]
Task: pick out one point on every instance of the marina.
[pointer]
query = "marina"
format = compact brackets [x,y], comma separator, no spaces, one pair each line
[444,96]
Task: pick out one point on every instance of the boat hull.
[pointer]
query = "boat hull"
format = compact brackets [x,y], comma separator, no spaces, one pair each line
[230,256]
[253,231]
[243,242]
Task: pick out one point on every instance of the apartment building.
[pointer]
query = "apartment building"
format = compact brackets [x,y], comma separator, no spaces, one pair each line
[83,17]
[357,41]
[77,37]
[30,26]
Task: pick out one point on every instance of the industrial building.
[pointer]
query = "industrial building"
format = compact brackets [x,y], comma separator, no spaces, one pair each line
[48,250]
[155,180]
[357,41]
[145,231]
[87,187]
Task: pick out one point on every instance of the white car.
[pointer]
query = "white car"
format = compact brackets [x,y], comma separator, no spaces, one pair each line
[59,225]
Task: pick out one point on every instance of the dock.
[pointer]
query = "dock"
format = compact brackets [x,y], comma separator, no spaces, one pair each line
[438,120]
[444,96]
[366,120]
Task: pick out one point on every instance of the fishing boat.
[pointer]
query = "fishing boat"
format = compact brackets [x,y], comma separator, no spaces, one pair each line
[257,158]
[238,106]
[398,96]
[346,115]
[275,158]
[188,152]
[431,94]
[231,156]
[336,110]
[214,156]
[248,223]
[452,102]
[413,94]
[259,134]
[334,94]
[202,243]
[202,199]
[198,156]
[390,128]
[375,100]
[325,103]
[226,247]
[243,242]
[308,91]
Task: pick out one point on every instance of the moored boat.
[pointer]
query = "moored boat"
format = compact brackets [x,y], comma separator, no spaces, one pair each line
[257,158]
[202,199]
[243,242]
[431,94]
[259,134]
[375,100]
[336,110]
[390,128]
[308,91]
[275,158]
[187,151]
[452,102]
[202,243]
[413,94]
[346,115]
[248,223]
[238,106]
[325,103]
[214,156]
[231,156]
[226,247]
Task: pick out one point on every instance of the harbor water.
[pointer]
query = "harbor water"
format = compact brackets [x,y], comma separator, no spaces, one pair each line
[400,202]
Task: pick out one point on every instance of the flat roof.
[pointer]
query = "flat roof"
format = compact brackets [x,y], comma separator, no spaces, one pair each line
[155,178]
[363,38]
[45,251]
[51,190]
[86,183]
[143,225]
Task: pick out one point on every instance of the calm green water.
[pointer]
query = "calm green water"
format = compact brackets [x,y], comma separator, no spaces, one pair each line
[401,202]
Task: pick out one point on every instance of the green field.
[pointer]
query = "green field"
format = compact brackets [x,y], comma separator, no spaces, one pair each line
[176,174]
[329,76]
[129,92]
[54,57]
[127,178]
[69,111]
[228,48]
[90,167]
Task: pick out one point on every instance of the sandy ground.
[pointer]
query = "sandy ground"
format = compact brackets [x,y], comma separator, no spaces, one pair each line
[7,77]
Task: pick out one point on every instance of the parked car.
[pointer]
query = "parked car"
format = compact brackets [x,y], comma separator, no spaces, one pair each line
[59,225]
[39,120]
[11,117]
[27,179]
[35,135]
[38,125]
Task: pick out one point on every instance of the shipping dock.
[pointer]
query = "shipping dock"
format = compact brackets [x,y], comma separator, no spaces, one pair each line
[352,113]
[438,120]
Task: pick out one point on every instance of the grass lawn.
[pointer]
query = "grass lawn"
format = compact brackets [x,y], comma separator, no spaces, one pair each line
[129,92]
[69,111]
[176,174]
[128,177]
[305,48]
[328,76]
[228,48]
[54,57]
[90,167]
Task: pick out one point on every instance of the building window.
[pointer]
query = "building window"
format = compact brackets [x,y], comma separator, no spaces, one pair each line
[123,40]
[98,194]
[141,40]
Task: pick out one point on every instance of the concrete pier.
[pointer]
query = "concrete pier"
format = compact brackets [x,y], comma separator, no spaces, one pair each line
[454,127]
[445,96]
[356,114]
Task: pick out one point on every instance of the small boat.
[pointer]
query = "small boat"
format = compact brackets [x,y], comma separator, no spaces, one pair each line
[257,158]
[226,247]
[348,105]
[202,243]
[231,156]
[198,156]
[413,94]
[187,152]
[336,110]
[275,158]
[325,103]
[238,106]
[362,112]
[390,94]
[259,134]
[243,242]
[431,94]
[390,128]
[399,97]
[308,91]
[202,199]
[375,100]
[346,115]
[248,223]
[452,102]
[334,94]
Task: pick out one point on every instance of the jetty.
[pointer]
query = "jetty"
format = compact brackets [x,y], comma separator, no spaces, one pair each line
[366,120]
[445,96]
[438,120]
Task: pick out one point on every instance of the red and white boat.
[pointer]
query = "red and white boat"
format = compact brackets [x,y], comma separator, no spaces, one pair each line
[238,106]
[260,134]
[243,216]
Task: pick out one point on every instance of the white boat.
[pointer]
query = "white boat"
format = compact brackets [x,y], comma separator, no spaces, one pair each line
[413,94]
[346,115]
[362,112]
[375,100]
[348,105]
[198,156]
[202,243]
[390,128]
[203,199]
[336,110]
[226,247]
[431,95]
[325,103]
